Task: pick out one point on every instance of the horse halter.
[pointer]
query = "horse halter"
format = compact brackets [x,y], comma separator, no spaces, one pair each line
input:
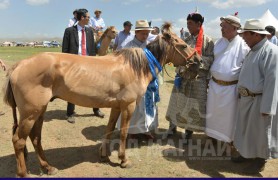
[177,50]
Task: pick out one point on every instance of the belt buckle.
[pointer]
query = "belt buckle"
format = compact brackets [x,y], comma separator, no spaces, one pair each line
[243,92]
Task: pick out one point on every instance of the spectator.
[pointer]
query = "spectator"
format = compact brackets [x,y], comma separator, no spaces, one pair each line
[229,53]
[256,124]
[73,20]
[155,30]
[124,36]
[184,34]
[97,23]
[141,123]
[153,34]
[187,106]
[271,37]
[84,47]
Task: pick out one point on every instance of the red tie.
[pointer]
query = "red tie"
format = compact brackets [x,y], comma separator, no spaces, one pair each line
[83,43]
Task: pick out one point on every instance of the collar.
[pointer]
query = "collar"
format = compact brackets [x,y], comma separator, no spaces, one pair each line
[79,28]
[259,45]
[137,42]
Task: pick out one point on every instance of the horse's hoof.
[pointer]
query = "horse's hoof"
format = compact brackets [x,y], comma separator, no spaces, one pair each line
[104,159]
[52,171]
[126,164]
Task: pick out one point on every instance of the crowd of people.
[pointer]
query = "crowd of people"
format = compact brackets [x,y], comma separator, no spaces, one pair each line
[233,99]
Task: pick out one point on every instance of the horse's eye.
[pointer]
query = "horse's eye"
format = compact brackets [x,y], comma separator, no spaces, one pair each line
[184,46]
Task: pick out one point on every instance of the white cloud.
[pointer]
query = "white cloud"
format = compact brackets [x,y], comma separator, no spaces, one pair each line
[4,4]
[37,2]
[224,4]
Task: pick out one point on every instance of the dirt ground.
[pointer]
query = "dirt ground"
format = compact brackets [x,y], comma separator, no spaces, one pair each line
[73,148]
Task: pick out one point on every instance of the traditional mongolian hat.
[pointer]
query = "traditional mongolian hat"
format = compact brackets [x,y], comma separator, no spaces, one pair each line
[197,17]
[232,19]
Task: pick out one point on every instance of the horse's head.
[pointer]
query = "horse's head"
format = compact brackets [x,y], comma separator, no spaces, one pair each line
[111,32]
[180,53]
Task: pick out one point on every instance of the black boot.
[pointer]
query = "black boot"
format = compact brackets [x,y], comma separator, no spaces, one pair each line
[171,130]
[256,166]
[98,113]
[188,134]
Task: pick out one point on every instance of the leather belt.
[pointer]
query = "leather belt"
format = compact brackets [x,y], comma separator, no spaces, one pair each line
[244,92]
[224,83]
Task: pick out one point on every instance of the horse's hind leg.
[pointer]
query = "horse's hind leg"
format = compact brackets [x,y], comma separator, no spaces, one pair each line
[19,143]
[35,137]
[125,121]
[104,149]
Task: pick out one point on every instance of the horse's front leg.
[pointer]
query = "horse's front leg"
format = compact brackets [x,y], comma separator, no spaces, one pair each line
[125,121]
[105,148]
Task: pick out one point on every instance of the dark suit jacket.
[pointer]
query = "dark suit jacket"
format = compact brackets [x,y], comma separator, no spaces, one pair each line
[70,41]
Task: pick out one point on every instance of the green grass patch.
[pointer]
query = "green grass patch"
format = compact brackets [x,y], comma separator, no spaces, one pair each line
[10,55]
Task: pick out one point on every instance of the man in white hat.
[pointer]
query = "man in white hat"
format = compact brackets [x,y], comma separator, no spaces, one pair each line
[229,52]
[97,22]
[256,134]
[142,123]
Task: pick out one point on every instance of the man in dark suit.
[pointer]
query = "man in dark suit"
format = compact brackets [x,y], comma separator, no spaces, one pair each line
[79,39]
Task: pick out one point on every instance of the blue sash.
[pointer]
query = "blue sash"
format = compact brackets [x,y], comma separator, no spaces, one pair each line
[153,87]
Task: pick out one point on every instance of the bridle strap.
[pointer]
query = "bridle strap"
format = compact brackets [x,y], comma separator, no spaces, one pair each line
[186,58]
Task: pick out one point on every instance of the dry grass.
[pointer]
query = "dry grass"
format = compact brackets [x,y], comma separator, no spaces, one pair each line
[73,148]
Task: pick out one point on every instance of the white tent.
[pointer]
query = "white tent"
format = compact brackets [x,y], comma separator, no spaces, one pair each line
[270,20]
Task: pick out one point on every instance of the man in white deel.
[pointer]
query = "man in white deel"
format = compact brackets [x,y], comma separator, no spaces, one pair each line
[229,52]
[256,134]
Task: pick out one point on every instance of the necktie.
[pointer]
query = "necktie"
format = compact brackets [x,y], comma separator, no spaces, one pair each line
[83,43]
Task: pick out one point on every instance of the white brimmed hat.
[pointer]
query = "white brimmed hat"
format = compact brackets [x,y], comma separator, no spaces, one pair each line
[232,19]
[254,25]
[142,25]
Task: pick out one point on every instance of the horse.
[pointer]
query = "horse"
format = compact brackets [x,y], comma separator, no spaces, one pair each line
[105,39]
[116,81]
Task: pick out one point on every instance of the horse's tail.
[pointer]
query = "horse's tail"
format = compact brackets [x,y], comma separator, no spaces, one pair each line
[9,97]
[10,100]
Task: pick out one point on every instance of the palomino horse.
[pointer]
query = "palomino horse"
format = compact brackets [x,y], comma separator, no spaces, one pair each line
[117,81]
[105,40]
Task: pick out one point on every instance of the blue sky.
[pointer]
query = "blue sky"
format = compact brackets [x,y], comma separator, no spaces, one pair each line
[49,18]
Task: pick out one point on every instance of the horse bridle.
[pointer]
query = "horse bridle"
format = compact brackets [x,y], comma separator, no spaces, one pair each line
[186,58]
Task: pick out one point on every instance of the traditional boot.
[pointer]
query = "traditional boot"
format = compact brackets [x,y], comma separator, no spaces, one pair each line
[256,166]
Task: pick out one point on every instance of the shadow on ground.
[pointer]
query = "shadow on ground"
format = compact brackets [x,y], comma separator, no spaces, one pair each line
[61,158]
[201,155]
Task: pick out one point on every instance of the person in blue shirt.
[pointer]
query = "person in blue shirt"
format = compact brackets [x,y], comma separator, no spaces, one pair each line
[271,37]
[124,36]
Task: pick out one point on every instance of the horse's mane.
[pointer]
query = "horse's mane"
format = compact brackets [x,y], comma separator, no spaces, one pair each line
[105,33]
[137,58]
